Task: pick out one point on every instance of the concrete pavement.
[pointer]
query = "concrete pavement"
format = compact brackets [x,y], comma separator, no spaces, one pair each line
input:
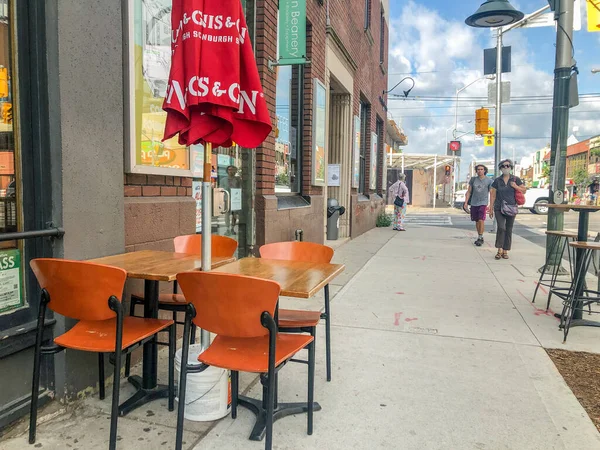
[435,346]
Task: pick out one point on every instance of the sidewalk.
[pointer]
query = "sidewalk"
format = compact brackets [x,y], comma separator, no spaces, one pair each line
[435,346]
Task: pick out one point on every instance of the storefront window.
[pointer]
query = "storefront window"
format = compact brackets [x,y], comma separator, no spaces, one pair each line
[11,290]
[149,65]
[287,167]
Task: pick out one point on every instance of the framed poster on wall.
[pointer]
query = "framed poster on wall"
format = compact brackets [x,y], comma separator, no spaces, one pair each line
[373,172]
[356,153]
[319,136]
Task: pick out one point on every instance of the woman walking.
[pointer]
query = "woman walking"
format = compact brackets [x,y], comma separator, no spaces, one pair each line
[504,206]
[399,197]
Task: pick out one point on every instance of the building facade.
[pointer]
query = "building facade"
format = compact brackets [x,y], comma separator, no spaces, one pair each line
[81,90]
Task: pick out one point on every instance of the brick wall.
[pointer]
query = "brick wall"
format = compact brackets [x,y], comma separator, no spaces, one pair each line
[138,185]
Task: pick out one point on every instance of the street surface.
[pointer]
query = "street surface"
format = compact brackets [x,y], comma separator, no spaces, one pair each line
[528,225]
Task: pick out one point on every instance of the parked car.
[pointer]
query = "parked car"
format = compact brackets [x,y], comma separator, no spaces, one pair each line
[536,200]
[459,198]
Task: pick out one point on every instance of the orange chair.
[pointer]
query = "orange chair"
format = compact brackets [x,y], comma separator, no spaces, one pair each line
[221,246]
[240,311]
[303,321]
[91,293]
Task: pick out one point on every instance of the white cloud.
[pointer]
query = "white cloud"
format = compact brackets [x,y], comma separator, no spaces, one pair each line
[447,55]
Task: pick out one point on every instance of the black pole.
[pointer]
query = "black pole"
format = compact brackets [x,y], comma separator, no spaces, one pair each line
[560,119]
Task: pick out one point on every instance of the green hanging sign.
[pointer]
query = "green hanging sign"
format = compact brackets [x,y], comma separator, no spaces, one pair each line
[292,32]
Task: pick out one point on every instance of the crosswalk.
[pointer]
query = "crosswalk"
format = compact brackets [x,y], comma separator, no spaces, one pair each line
[429,219]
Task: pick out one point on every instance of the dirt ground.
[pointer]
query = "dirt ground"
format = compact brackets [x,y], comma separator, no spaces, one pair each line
[581,371]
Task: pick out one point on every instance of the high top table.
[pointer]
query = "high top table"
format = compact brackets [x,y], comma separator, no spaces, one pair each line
[582,236]
[152,267]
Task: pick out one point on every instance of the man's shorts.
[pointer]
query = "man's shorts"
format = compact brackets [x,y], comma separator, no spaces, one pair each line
[478,213]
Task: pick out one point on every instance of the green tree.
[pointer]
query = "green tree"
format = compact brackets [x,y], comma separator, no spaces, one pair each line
[546,171]
[580,178]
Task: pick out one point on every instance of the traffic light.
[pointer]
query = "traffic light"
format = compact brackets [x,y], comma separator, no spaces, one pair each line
[482,119]
[447,170]
[454,148]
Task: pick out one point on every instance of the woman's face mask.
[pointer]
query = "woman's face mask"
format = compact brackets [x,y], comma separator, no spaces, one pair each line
[505,171]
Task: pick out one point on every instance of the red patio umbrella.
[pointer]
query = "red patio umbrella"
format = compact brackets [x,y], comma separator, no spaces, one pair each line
[214,95]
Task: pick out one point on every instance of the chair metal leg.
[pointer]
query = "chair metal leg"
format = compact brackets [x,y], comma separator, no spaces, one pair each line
[172,348]
[545,268]
[101,386]
[327,333]
[234,392]
[132,304]
[35,384]
[555,272]
[311,383]
[270,410]
[114,414]
[193,335]
[182,382]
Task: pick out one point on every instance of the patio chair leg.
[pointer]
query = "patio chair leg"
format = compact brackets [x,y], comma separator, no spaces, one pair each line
[101,387]
[35,385]
[234,392]
[311,383]
[114,414]
[182,382]
[132,304]
[537,285]
[327,333]
[172,347]
[193,335]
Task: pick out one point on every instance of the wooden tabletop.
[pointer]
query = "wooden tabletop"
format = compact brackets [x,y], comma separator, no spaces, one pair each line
[157,266]
[567,207]
[297,279]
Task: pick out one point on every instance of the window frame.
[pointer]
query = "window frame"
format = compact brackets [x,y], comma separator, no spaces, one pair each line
[131,138]
[368,7]
[364,130]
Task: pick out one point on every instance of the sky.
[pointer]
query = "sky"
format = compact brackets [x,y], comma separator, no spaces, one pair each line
[430,42]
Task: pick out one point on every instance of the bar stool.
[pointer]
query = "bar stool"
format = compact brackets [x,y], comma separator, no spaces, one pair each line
[586,297]
[560,241]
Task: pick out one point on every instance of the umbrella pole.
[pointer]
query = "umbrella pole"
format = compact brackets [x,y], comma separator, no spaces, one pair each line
[206,226]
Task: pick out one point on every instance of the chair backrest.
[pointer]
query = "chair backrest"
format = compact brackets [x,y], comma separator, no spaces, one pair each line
[77,289]
[221,246]
[227,304]
[297,251]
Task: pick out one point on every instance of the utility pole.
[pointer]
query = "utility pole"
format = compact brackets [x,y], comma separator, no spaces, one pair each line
[498,119]
[560,118]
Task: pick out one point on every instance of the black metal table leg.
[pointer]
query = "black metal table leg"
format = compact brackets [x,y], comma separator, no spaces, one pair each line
[147,388]
[281,410]
[582,232]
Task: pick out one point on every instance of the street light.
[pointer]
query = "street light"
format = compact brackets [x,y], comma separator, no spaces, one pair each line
[487,77]
[405,92]
[494,13]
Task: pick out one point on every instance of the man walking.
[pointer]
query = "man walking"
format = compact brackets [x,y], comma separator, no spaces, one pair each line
[479,195]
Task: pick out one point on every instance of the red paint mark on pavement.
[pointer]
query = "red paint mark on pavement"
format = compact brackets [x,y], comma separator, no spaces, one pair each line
[541,287]
[400,293]
[538,311]
[423,258]
[410,319]
[522,281]
[397,319]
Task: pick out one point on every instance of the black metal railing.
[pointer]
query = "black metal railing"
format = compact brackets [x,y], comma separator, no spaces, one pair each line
[50,232]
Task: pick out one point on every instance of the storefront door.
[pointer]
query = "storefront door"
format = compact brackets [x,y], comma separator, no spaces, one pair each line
[232,206]
[25,199]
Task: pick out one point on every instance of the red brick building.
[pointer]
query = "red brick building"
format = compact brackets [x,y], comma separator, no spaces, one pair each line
[283,184]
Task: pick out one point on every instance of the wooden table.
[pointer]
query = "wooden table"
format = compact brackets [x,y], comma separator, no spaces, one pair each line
[582,236]
[152,267]
[297,279]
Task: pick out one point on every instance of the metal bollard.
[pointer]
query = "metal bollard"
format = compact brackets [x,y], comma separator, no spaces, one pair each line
[299,236]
